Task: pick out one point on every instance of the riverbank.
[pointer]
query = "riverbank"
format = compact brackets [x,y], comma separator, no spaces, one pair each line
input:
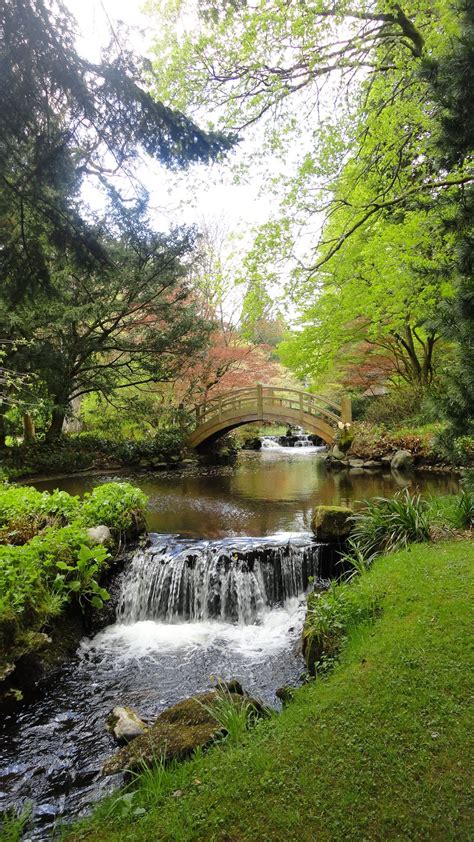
[376,750]
[56,555]
[87,453]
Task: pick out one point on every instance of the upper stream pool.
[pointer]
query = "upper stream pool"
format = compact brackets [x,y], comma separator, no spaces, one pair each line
[264,492]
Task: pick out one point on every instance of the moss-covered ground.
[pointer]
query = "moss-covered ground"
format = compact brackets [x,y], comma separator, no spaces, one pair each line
[380,749]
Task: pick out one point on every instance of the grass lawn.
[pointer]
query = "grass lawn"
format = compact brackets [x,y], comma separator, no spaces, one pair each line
[378,750]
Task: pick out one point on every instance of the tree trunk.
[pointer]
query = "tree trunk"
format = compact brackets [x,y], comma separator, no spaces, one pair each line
[56,426]
[29,432]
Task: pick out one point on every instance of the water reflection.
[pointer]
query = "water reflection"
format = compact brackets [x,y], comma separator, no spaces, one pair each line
[261,494]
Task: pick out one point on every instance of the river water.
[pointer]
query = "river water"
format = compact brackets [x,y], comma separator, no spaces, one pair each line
[217,593]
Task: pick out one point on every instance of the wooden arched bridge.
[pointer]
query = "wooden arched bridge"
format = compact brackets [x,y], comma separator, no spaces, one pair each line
[268,403]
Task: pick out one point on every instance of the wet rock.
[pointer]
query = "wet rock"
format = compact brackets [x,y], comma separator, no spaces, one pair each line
[285,694]
[402,460]
[59,774]
[330,523]
[337,453]
[176,733]
[356,463]
[372,463]
[125,724]
[99,534]
[46,812]
[232,686]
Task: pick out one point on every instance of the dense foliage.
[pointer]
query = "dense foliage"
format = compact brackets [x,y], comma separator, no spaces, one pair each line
[48,560]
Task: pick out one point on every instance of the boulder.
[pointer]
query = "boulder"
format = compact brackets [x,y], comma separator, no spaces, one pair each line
[372,463]
[176,734]
[356,463]
[402,460]
[331,523]
[99,534]
[125,724]
[337,452]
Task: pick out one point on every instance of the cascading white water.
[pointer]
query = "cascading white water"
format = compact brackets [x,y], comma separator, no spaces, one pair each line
[299,442]
[233,580]
[271,443]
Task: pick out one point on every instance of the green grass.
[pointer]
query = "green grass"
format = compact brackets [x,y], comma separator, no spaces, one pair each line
[377,750]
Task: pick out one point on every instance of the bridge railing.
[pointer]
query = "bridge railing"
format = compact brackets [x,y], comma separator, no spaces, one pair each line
[261,397]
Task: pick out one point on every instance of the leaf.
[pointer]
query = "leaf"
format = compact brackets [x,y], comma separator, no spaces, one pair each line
[75,585]
[96,602]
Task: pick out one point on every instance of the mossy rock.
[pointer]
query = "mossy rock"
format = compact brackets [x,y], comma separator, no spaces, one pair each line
[332,523]
[175,735]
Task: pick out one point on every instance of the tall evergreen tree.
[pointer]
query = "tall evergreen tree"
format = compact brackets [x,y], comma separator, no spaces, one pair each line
[452,81]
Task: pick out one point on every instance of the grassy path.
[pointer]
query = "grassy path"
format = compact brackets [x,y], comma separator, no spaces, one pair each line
[380,750]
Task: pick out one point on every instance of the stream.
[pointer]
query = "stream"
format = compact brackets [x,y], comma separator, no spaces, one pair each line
[218,592]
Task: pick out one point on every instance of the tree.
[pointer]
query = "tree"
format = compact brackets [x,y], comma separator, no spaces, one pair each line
[363,178]
[382,293]
[452,80]
[269,63]
[232,359]
[64,120]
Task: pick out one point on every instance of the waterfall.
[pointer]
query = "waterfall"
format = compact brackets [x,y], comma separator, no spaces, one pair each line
[271,442]
[296,440]
[233,579]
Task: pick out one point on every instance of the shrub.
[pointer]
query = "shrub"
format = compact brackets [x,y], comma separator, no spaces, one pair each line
[24,512]
[373,442]
[38,578]
[41,572]
[456,449]
[399,404]
[390,523]
[116,504]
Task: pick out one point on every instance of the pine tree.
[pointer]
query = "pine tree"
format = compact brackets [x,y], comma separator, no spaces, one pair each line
[452,80]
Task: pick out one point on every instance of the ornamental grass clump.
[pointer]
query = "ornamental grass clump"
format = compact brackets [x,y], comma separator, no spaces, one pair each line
[389,524]
[232,712]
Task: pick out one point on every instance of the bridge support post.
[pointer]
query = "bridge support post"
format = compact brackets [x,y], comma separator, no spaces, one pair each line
[346,410]
[301,397]
[260,401]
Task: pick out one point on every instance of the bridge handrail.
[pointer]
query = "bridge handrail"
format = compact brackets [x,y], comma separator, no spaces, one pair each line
[236,397]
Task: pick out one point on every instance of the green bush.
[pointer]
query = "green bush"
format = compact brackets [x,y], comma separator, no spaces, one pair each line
[116,504]
[165,443]
[387,524]
[37,579]
[400,404]
[456,449]
[54,561]
[24,512]
[373,442]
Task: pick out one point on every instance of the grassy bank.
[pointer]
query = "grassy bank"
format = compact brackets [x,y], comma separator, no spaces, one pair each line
[379,749]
